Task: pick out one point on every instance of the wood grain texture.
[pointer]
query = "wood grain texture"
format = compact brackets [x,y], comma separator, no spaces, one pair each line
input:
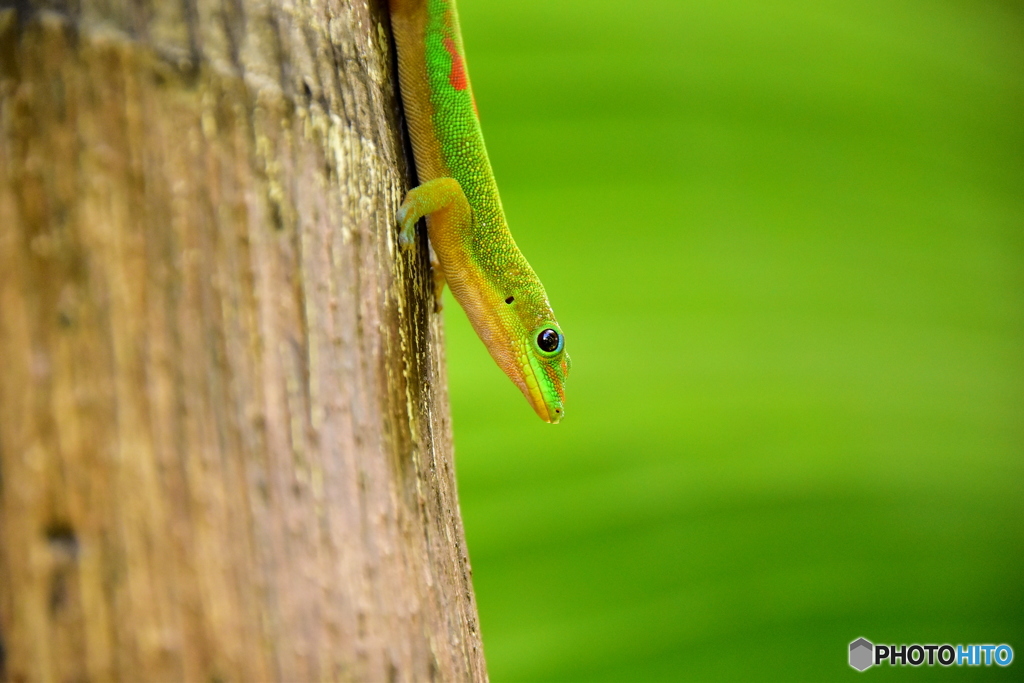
[225,446]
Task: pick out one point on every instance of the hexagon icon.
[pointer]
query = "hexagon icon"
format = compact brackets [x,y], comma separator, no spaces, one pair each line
[861,651]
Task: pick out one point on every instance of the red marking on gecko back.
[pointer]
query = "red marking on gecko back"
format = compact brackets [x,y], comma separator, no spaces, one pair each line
[457,76]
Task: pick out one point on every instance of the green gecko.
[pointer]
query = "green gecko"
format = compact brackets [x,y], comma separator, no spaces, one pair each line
[488,275]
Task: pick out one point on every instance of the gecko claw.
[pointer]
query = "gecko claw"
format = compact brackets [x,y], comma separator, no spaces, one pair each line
[407,227]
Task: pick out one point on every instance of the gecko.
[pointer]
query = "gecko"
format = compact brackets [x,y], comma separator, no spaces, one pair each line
[476,255]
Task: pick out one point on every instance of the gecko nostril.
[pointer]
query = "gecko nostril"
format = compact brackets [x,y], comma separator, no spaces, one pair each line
[510,299]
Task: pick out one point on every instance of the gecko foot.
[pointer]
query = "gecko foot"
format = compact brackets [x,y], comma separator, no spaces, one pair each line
[407,225]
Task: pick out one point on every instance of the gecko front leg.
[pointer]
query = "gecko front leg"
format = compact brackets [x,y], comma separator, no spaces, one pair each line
[448,214]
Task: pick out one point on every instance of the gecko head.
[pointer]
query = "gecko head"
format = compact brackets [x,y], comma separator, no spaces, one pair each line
[545,370]
[525,341]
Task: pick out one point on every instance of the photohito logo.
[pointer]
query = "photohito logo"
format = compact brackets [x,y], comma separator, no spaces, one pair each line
[865,654]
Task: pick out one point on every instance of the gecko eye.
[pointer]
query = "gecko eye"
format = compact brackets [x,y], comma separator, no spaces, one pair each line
[549,340]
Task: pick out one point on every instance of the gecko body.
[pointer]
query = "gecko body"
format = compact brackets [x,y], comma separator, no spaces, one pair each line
[476,255]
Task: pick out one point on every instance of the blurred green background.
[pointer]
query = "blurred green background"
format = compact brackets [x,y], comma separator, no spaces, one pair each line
[785,242]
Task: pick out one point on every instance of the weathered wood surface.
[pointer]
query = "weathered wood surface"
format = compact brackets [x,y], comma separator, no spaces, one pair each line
[225,445]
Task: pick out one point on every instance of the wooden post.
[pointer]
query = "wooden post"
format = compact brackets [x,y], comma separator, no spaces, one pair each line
[225,447]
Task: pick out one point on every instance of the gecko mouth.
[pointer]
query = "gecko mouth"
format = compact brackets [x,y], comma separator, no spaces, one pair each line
[549,412]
